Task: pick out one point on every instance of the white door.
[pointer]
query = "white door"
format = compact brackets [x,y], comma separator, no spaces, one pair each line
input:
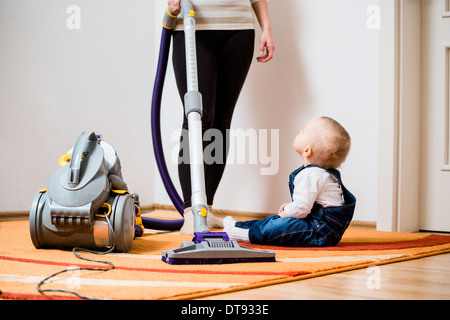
[435,143]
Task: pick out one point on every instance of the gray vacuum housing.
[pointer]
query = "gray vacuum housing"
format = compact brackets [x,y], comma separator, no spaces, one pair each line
[71,211]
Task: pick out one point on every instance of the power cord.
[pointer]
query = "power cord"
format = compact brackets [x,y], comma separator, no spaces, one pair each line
[74,250]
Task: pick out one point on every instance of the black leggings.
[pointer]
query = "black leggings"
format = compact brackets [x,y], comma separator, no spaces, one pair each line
[223,58]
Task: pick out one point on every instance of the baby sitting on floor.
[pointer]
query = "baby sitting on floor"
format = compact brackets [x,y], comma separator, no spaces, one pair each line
[321,207]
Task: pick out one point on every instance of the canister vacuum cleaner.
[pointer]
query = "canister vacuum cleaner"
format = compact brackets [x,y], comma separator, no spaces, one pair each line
[86,203]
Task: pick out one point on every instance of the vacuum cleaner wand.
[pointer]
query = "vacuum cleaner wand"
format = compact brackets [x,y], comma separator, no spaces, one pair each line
[207,247]
[193,110]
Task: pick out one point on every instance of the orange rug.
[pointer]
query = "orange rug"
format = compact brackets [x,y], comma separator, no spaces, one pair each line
[140,274]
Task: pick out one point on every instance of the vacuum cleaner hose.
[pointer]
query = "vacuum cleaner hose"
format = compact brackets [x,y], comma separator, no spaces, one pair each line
[156,138]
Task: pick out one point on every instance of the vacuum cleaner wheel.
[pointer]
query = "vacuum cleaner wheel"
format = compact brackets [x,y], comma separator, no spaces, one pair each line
[35,217]
[123,221]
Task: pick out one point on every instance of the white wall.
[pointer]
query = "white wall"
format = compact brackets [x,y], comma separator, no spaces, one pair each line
[57,82]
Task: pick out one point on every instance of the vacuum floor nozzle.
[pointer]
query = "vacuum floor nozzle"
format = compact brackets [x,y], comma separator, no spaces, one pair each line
[215,248]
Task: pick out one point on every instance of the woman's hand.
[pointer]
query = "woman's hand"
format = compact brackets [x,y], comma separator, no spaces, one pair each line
[174,6]
[266,47]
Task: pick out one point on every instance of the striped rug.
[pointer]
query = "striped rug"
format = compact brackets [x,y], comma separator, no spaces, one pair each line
[140,274]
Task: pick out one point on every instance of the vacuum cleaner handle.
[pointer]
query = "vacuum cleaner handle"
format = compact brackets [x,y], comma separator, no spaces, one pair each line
[186,9]
[170,20]
[77,154]
[188,15]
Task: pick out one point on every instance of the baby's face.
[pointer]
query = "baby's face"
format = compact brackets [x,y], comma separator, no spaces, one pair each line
[307,135]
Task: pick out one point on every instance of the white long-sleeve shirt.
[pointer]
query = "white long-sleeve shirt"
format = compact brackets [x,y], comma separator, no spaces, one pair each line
[313,185]
[222,15]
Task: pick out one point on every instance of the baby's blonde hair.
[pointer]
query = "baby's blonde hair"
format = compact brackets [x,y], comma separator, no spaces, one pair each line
[333,145]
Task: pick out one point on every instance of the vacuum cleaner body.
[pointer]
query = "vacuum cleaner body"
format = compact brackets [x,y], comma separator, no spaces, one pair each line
[87,203]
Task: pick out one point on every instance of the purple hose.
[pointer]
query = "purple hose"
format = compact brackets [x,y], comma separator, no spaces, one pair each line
[156,138]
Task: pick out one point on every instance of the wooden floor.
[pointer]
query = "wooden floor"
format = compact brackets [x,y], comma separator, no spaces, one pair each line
[425,278]
[420,279]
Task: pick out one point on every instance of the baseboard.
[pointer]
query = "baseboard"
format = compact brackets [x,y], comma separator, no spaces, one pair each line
[221,213]
[14,216]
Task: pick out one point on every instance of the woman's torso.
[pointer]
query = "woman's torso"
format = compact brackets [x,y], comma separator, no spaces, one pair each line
[222,15]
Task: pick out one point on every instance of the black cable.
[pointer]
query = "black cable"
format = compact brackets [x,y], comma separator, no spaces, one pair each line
[74,250]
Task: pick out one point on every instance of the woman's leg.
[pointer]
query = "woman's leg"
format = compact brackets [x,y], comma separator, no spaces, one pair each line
[207,75]
[224,58]
[234,60]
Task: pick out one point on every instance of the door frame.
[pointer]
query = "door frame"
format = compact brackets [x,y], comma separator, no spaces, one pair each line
[399,116]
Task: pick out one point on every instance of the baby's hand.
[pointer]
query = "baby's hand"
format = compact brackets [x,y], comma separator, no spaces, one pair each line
[282,207]
[282,214]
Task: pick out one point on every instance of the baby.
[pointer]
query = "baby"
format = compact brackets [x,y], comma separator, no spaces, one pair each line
[321,207]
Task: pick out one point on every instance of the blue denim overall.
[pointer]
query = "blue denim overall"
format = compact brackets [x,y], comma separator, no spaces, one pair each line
[323,227]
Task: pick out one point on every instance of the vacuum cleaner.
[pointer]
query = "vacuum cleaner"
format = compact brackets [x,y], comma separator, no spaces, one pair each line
[206,247]
[86,203]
